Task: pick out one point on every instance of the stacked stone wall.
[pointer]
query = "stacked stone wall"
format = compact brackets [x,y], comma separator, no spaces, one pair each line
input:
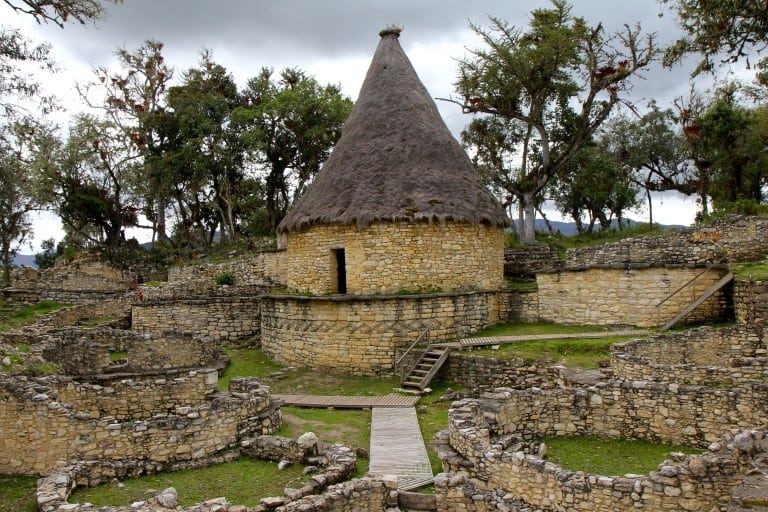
[683,483]
[750,300]
[254,269]
[39,432]
[531,259]
[730,239]
[393,258]
[642,297]
[222,318]
[705,356]
[88,351]
[483,373]
[85,279]
[360,335]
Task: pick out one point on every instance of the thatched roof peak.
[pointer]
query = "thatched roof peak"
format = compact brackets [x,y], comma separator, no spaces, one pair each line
[396,160]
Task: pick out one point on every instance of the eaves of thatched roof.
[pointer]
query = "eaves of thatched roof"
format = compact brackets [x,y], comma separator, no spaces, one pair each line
[396,160]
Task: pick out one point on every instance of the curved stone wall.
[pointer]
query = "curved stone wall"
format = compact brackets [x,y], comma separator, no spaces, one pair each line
[392,258]
[360,335]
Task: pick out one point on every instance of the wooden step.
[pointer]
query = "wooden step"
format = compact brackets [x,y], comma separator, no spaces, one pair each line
[425,368]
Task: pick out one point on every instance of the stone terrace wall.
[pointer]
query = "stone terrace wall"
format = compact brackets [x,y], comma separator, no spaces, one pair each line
[530,260]
[478,372]
[702,482]
[730,239]
[705,356]
[87,351]
[336,463]
[225,319]
[606,296]
[39,432]
[750,302]
[262,269]
[657,412]
[85,279]
[360,335]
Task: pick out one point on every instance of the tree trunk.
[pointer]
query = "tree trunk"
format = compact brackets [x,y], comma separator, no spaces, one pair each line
[528,211]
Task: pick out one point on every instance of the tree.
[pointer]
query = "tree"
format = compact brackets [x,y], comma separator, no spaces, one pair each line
[60,12]
[209,156]
[16,190]
[650,148]
[596,188]
[290,126]
[530,83]
[86,179]
[133,98]
[716,27]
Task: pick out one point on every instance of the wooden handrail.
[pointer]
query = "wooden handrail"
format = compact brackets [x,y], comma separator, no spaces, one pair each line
[424,334]
[686,285]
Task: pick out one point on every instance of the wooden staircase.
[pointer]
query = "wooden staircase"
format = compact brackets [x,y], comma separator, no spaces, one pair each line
[727,278]
[426,367]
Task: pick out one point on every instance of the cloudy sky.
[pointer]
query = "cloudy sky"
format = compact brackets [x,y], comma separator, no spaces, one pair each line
[333,40]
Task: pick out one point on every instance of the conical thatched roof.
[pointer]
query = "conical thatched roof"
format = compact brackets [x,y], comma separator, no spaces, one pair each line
[396,160]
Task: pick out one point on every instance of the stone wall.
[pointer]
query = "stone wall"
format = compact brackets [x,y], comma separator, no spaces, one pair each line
[705,356]
[85,279]
[624,409]
[334,462]
[360,335]
[391,258]
[226,319]
[608,296]
[483,373]
[703,482]
[39,432]
[531,259]
[82,352]
[750,302]
[261,269]
[730,239]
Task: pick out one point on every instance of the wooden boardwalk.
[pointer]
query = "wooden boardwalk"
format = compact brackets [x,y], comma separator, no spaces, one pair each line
[499,340]
[348,402]
[397,447]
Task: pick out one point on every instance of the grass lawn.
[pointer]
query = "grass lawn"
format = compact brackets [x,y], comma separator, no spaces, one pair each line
[756,271]
[17,493]
[610,457]
[572,352]
[520,329]
[236,480]
[12,317]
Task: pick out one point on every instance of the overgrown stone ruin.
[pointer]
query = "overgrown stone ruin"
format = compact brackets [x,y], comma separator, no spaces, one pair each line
[145,399]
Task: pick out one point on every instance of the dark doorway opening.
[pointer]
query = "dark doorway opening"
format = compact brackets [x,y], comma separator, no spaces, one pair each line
[341,271]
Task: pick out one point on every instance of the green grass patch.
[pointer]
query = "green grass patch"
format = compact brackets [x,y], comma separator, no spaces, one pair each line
[562,243]
[350,427]
[573,353]
[17,493]
[118,355]
[12,317]
[610,457]
[433,417]
[243,482]
[253,363]
[755,271]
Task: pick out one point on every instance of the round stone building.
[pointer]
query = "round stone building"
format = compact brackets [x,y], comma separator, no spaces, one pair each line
[396,224]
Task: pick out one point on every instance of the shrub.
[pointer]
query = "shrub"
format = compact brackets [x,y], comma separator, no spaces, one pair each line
[225,278]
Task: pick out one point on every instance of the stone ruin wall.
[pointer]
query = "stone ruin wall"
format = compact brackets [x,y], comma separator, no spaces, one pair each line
[684,483]
[226,319]
[605,296]
[727,357]
[87,352]
[731,239]
[361,335]
[41,432]
[750,300]
[326,490]
[83,280]
[251,270]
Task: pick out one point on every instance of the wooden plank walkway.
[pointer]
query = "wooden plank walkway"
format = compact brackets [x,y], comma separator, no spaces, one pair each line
[397,447]
[348,402]
[499,340]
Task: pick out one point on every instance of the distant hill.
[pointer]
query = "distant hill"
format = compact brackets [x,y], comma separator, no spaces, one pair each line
[25,259]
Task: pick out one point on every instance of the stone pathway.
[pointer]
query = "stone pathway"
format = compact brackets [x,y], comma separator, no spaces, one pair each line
[397,447]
